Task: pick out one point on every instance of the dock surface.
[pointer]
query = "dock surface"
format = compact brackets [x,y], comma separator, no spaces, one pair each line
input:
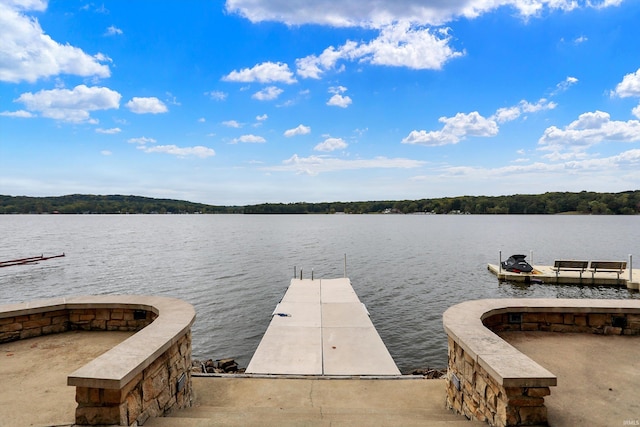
[321,328]
[547,274]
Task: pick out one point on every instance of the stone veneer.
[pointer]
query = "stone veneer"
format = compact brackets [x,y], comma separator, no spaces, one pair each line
[146,375]
[491,381]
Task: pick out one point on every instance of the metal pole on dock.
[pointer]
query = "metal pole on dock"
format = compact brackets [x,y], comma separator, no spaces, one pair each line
[312,274]
[294,271]
[630,268]
[500,263]
[531,257]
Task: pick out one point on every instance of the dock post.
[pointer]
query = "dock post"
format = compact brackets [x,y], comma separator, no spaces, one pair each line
[312,274]
[630,268]
[500,263]
[531,257]
[294,272]
[300,274]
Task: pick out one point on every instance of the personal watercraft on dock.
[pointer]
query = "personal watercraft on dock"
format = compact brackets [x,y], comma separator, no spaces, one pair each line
[517,264]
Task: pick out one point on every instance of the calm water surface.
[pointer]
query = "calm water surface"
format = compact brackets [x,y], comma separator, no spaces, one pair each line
[234,269]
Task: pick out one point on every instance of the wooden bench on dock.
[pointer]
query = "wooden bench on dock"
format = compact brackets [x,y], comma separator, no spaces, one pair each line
[570,265]
[617,267]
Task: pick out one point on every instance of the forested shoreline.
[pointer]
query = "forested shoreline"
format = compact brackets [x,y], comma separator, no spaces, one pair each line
[587,203]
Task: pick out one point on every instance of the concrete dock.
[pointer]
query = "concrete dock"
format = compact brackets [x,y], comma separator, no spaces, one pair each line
[547,274]
[321,328]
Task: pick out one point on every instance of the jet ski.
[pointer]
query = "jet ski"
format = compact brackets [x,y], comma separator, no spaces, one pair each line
[517,264]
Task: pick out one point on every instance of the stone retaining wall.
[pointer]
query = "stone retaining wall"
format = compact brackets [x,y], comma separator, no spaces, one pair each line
[482,397]
[147,375]
[491,381]
[25,326]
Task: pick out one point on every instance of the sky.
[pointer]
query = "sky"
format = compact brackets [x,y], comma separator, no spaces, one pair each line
[242,102]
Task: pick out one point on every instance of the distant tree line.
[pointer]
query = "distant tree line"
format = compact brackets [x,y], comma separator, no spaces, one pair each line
[116,204]
[624,203]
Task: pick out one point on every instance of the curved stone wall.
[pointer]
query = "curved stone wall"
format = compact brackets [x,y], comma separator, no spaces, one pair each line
[146,375]
[490,380]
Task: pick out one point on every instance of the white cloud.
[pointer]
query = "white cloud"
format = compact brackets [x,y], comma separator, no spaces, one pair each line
[71,105]
[331,144]
[217,95]
[267,72]
[113,31]
[636,111]
[28,54]
[110,131]
[454,130]
[376,14]
[300,130]
[202,120]
[22,114]
[150,105]
[197,151]
[141,140]
[508,114]
[267,94]
[581,39]
[314,165]
[106,152]
[564,85]
[338,100]
[232,124]
[398,45]
[251,139]
[262,118]
[590,129]
[629,86]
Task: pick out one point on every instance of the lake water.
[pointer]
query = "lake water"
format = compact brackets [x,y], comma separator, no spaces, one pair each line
[407,269]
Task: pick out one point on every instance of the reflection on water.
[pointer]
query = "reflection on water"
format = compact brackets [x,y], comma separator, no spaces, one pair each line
[235,268]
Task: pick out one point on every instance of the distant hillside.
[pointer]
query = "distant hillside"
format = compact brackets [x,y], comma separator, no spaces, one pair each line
[116,204]
[624,203]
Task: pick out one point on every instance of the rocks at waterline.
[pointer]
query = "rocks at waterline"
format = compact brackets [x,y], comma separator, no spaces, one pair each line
[430,373]
[218,366]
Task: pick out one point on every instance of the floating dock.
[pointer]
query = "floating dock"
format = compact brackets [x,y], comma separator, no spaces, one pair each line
[321,328]
[547,274]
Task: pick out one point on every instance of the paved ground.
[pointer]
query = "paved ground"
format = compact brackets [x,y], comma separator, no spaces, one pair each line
[34,373]
[598,376]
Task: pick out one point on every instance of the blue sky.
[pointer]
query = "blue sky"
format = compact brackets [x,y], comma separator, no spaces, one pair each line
[249,101]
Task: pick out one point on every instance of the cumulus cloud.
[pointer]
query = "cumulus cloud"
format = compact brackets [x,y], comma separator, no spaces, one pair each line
[398,45]
[216,95]
[22,114]
[267,72]
[376,14]
[141,140]
[454,130]
[232,124]
[197,151]
[564,85]
[251,139]
[331,144]
[262,118]
[150,105]
[267,94]
[508,114]
[300,130]
[338,100]
[113,31]
[28,54]
[589,129]
[314,165]
[629,86]
[71,105]
[110,131]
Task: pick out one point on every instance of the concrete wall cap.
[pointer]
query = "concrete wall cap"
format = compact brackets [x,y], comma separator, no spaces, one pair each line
[116,367]
[463,323]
